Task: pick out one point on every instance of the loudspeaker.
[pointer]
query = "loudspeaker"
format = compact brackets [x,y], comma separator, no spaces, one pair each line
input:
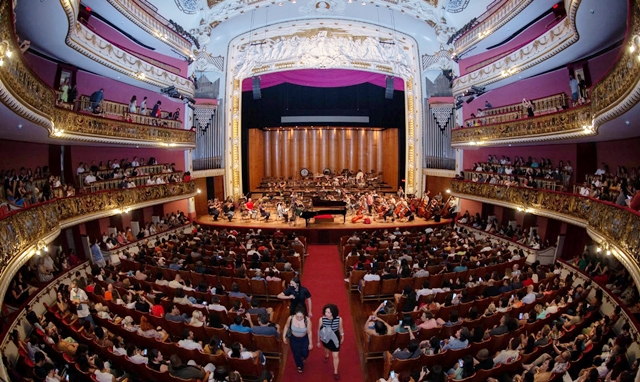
[257,94]
[436,218]
[388,92]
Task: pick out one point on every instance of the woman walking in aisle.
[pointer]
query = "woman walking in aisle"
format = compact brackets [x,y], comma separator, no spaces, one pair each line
[331,334]
[297,330]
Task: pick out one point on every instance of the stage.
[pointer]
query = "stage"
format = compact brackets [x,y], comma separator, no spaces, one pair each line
[319,233]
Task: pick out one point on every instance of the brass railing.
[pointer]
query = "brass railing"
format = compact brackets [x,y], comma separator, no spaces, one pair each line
[570,121]
[22,91]
[618,225]
[489,21]
[141,14]
[24,228]
[617,92]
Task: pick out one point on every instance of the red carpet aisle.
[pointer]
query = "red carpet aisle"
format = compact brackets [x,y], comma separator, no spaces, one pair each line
[324,278]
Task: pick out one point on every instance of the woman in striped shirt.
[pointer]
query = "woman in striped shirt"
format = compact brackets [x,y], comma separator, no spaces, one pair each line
[331,334]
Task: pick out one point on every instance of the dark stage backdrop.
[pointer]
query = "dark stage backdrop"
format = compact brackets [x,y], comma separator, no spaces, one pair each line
[295,100]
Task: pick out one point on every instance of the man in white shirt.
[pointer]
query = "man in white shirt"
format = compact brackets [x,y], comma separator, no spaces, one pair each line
[188,343]
[134,162]
[160,181]
[80,169]
[507,356]
[89,179]
[176,283]
[216,306]
[584,190]
[601,170]
[530,297]
[79,298]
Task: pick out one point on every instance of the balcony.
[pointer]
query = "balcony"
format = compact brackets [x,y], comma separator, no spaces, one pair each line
[616,228]
[495,17]
[21,231]
[145,15]
[616,93]
[22,91]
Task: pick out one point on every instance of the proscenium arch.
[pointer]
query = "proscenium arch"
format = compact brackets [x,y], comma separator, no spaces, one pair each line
[323,44]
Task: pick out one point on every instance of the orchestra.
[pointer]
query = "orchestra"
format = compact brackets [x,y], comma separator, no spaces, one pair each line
[359,192]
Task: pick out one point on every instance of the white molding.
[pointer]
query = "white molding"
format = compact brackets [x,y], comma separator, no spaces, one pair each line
[320,44]
[207,173]
[439,172]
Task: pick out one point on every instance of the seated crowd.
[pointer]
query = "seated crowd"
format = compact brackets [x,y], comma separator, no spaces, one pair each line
[125,170]
[121,238]
[618,187]
[520,172]
[27,187]
[539,326]
[517,233]
[122,308]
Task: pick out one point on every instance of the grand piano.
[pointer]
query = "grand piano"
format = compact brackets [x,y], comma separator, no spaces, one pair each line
[325,207]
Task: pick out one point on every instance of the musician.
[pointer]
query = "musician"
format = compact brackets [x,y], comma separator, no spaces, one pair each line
[228,210]
[214,208]
[282,212]
[400,192]
[263,212]
[360,176]
[390,212]
[369,200]
[249,206]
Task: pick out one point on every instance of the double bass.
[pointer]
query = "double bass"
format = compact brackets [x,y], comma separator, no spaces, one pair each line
[359,215]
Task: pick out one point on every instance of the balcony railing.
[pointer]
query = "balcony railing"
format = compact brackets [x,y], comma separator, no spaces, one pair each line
[141,13]
[618,226]
[25,228]
[568,123]
[22,91]
[492,19]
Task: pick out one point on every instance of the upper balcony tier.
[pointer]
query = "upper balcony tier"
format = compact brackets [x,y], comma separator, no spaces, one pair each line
[616,228]
[616,93]
[23,92]
[570,40]
[83,45]
[145,15]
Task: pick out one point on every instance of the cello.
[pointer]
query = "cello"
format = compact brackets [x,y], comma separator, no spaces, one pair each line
[359,215]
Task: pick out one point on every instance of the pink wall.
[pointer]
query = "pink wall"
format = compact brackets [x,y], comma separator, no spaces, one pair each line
[148,214]
[179,205]
[555,152]
[104,225]
[114,90]
[523,38]
[542,223]
[619,153]
[601,65]
[470,205]
[126,221]
[540,86]
[23,154]
[82,229]
[531,88]
[112,35]
[89,153]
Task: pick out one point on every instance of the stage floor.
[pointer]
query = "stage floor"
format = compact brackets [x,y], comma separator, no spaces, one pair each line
[319,233]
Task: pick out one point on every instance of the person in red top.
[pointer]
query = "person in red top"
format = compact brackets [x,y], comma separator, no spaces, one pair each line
[249,206]
[158,309]
[73,259]
[635,202]
[528,280]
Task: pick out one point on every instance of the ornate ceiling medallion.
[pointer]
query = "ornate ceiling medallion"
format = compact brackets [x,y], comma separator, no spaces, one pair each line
[322,7]
[189,6]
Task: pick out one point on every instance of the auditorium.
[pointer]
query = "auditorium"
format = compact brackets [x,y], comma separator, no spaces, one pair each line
[314,190]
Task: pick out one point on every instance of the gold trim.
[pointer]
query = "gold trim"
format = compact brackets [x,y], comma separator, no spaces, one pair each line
[617,225]
[28,226]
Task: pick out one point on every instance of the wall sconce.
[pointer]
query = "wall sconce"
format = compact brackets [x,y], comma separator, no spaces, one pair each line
[40,247]
[5,51]
[199,191]
[634,45]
